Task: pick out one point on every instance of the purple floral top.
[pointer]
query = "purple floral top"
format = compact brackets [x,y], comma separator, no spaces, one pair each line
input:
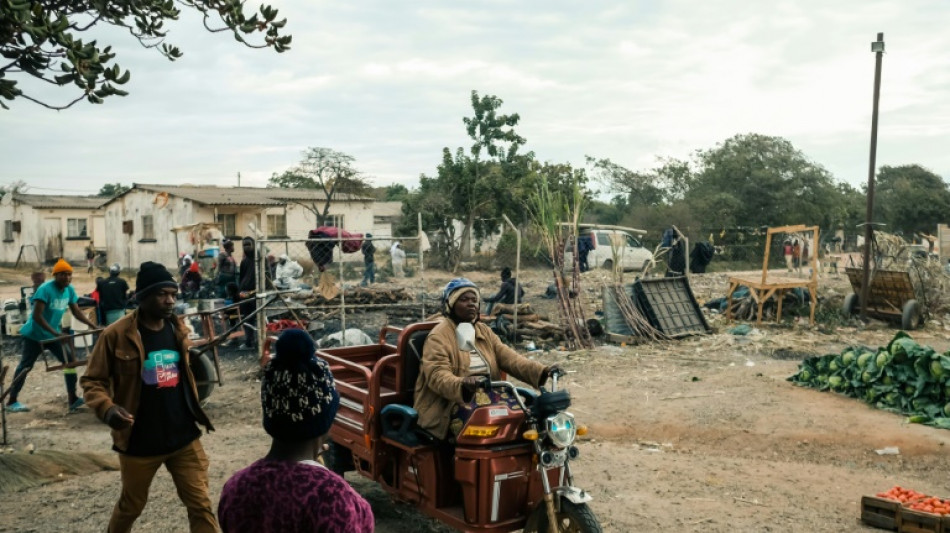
[286,496]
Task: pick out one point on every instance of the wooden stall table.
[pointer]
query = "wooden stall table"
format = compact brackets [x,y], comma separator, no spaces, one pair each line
[762,288]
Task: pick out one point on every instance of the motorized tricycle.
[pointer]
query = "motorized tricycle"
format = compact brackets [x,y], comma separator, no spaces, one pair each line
[509,467]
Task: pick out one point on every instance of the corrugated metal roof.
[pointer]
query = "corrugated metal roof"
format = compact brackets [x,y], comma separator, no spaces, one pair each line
[214,195]
[43,201]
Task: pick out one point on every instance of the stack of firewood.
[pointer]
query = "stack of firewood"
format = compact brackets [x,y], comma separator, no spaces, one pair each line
[531,325]
[366,295]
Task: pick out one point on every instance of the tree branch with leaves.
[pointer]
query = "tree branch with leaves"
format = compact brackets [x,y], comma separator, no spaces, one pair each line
[325,170]
[40,40]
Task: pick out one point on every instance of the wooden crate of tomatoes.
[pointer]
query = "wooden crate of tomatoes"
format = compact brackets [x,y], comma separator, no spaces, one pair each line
[906,511]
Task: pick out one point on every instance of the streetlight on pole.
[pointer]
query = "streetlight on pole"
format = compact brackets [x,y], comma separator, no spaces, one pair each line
[878,48]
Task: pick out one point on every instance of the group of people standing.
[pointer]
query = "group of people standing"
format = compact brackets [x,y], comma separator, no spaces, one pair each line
[795,254]
[368,249]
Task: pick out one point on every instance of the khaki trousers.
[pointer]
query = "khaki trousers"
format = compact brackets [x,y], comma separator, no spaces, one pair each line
[189,470]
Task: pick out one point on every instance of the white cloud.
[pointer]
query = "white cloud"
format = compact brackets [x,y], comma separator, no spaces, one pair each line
[390,83]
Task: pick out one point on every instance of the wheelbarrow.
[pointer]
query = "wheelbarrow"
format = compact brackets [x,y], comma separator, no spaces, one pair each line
[891,297]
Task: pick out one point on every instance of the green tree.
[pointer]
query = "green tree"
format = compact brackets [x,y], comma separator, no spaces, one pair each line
[494,133]
[761,180]
[395,193]
[325,170]
[655,187]
[910,199]
[41,40]
[112,189]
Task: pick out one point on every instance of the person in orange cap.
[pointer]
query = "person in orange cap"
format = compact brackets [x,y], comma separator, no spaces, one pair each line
[50,302]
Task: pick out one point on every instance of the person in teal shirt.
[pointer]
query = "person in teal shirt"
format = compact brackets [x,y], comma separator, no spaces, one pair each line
[50,303]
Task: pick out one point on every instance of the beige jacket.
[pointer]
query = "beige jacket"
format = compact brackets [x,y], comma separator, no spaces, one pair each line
[443,366]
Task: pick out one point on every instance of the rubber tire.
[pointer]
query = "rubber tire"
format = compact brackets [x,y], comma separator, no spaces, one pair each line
[850,307]
[338,459]
[578,515]
[609,264]
[910,316]
[202,368]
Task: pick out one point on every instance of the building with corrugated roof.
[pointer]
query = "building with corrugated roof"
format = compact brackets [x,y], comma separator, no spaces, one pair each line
[40,228]
[143,219]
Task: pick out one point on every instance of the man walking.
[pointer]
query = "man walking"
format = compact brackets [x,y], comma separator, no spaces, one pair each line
[369,261]
[113,295]
[138,381]
[50,303]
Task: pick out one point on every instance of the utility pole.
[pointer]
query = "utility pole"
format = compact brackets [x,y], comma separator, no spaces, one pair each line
[878,48]
[239,179]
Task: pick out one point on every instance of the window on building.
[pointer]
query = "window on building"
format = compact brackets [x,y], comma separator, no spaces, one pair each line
[228,225]
[76,228]
[277,225]
[148,227]
[8,230]
[334,220]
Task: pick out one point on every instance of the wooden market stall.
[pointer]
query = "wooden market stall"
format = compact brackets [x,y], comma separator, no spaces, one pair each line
[765,287]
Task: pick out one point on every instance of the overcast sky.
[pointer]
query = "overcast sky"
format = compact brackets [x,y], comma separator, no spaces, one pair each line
[389,82]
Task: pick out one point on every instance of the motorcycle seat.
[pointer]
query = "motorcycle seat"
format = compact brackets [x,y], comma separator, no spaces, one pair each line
[399,424]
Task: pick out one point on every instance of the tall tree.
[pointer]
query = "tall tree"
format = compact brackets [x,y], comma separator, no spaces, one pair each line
[396,192]
[911,199]
[766,181]
[41,40]
[493,133]
[325,170]
[112,189]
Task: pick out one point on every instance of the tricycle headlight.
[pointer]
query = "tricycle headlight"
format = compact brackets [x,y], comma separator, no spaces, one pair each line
[561,429]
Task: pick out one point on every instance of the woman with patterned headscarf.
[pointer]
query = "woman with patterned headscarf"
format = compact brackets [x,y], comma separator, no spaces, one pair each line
[288,490]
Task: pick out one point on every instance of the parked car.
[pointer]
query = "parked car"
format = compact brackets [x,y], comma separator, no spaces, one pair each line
[609,244]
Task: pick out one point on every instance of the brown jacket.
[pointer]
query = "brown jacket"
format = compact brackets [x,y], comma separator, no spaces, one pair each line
[114,373]
[443,366]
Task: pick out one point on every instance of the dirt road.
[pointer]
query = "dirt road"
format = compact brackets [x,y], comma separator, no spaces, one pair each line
[702,434]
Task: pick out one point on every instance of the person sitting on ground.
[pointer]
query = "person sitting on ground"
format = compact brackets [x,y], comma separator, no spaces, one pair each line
[288,490]
[506,293]
[50,303]
[287,273]
[113,295]
[445,394]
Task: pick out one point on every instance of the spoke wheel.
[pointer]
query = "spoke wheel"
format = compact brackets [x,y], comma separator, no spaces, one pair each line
[572,518]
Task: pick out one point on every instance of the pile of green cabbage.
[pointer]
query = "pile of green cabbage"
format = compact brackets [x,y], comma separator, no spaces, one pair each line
[904,378]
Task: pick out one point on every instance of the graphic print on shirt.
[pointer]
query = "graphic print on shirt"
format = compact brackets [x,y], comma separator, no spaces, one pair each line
[161,368]
[60,304]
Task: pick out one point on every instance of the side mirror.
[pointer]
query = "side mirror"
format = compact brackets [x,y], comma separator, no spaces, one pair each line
[465,335]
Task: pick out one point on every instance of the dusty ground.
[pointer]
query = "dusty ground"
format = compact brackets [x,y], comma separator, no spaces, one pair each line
[702,434]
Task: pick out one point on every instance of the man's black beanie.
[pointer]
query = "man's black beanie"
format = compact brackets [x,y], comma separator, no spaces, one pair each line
[152,276]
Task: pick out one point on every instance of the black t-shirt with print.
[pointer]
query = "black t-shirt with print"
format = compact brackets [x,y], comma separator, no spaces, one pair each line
[163,422]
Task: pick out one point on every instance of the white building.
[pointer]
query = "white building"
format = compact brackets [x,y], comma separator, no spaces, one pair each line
[42,228]
[142,221]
